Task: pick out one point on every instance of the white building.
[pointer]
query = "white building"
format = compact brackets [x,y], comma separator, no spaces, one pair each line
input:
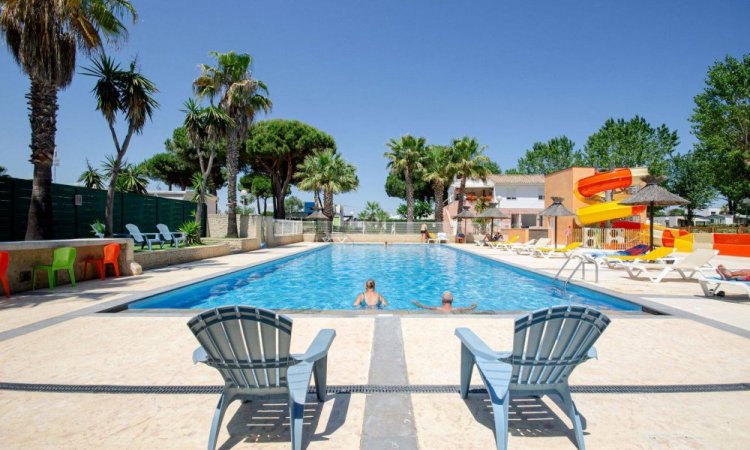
[520,196]
[212,202]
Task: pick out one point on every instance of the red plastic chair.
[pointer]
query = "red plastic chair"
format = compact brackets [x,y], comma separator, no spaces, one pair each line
[4,260]
[111,253]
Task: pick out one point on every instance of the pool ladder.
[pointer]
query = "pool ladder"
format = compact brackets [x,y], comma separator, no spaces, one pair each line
[582,261]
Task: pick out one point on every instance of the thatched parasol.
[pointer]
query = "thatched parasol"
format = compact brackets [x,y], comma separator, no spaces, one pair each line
[492,213]
[556,209]
[653,195]
[465,214]
[317,216]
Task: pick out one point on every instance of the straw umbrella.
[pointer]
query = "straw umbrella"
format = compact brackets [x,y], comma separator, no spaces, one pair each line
[653,195]
[556,209]
[317,215]
[465,214]
[492,213]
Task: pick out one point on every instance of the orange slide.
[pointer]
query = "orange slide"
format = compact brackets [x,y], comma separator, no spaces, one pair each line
[587,188]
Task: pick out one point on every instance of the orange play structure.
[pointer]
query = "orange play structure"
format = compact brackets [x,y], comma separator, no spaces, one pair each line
[590,191]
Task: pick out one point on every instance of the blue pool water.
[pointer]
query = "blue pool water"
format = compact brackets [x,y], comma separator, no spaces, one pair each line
[332,277]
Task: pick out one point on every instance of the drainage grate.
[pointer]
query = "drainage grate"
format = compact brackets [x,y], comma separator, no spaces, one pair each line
[366,389]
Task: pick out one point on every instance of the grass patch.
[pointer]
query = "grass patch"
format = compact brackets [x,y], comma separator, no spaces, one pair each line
[156,248]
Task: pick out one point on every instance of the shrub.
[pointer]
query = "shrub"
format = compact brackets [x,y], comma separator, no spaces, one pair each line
[192,232]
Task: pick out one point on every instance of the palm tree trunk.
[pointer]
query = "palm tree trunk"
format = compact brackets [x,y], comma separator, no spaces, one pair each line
[461,194]
[409,196]
[439,200]
[232,161]
[328,203]
[42,100]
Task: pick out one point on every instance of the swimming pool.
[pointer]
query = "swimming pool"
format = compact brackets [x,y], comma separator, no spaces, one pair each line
[331,277]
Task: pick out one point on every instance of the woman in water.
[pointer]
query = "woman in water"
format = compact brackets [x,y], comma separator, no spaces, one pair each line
[369,298]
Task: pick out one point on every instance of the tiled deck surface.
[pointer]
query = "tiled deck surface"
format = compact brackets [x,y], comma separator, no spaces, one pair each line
[58,338]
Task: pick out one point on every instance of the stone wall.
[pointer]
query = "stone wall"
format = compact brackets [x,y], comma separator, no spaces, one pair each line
[26,254]
[171,256]
[216,227]
[235,245]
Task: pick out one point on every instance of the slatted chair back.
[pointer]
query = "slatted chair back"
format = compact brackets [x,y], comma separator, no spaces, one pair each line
[549,343]
[165,233]
[248,346]
[135,232]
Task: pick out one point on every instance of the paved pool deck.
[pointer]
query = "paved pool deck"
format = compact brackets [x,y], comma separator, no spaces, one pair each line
[661,381]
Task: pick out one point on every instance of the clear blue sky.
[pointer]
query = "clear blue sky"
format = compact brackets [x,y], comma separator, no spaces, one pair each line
[508,73]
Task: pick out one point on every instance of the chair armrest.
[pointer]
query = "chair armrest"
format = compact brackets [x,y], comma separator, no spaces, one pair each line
[476,345]
[319,346]
[178,235]
[151,236]
[200,355]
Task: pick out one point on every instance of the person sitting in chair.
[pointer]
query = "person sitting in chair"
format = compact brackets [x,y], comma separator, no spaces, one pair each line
[447,305]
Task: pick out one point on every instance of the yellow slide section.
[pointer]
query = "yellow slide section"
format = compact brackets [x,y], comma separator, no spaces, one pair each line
[605,211]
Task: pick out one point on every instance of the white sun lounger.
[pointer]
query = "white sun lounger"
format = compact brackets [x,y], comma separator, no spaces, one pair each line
[711,285]
[693,263]
[528,248]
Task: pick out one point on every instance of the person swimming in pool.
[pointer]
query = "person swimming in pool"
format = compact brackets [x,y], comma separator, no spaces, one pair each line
[369,298]
[447,305]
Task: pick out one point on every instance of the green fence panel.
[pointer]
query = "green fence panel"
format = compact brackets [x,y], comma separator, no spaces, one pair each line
[75,208]
[91,208]
[6,209]
[64,211]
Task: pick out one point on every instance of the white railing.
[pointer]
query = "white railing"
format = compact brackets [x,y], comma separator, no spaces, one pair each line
[609,238]
[362,227]
[286,227]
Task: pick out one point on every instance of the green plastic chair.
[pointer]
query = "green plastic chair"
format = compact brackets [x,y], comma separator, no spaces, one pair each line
[63,258]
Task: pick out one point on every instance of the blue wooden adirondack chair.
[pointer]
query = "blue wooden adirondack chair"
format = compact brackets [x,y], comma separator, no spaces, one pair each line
[548,344]
[250,348]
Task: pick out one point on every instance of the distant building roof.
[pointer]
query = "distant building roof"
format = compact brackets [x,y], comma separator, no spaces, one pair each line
[517,179]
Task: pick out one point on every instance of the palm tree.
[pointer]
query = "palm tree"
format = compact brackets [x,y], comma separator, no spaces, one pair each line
[327,171]
[373,212]
[91,178]
[43,37]
[438,170]
[241,97]
[469,162]
[406,156]
[132,179]
[204,126]
[3,171]
[125,92]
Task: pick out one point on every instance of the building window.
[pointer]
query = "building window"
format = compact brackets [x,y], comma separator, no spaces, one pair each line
[541,197]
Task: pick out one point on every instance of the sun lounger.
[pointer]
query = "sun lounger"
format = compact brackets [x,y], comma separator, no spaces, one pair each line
[145,239]
[692,264]
[546,252]
[711,285]
[547,346]
[504,245]
[250,348]
[620,261]
[479,240]
[528,248]
[171,237]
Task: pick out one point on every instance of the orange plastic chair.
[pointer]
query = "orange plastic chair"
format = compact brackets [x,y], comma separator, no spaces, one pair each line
[4,261]
[111,253]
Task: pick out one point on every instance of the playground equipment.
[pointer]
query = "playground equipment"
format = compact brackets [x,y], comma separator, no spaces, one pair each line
[590,189]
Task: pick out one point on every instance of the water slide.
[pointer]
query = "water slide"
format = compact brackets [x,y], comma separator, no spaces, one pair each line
[590,190]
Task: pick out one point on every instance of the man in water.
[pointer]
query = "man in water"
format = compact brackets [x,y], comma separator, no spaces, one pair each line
[447,305]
